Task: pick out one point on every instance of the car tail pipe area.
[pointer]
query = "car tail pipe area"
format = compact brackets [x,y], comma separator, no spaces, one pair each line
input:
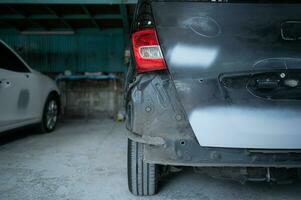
[252,174]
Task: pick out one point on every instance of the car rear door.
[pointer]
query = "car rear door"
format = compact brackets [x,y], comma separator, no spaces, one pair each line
[15,90]
[237,70]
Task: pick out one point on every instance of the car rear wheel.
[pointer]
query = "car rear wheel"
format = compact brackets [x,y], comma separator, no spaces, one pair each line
[50,114]
[142,176]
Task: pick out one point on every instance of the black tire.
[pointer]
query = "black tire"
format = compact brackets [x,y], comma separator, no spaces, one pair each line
[44,125]
[142,176]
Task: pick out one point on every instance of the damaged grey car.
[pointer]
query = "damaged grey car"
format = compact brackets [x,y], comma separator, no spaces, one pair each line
[214,84]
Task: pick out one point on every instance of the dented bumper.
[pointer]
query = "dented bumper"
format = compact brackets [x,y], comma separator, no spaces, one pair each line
[156,118]
[188,152]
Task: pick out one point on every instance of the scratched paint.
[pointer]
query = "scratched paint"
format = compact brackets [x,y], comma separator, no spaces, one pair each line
[251,130]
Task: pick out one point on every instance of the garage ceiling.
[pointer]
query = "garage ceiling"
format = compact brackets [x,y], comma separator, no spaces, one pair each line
[70,1]
[54,17]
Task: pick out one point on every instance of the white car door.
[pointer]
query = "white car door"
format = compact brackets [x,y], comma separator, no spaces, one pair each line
[16,91]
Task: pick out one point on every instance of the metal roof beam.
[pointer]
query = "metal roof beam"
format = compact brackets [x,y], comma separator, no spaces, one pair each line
[98,16]
[24,17]
[99,2]
[53,16]
[86,10]
[10,25]
[13,10]
[58,17]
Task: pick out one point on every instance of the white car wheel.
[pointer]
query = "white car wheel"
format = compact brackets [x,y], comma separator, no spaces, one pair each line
[50,114]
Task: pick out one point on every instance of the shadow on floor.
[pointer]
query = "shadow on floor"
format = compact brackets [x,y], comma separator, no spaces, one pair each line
[21,133]
[17,134]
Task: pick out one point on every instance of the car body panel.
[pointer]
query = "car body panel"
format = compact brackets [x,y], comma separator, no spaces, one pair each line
[16,97]
[232,66]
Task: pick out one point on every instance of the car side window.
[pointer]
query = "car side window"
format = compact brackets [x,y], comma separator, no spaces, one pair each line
[9,61]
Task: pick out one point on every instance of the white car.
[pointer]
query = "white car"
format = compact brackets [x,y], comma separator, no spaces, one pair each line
[27,97]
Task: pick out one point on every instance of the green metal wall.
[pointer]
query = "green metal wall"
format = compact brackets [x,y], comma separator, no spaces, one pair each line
[101,51]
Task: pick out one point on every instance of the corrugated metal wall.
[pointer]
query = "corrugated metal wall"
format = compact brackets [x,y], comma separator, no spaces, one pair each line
[90,52]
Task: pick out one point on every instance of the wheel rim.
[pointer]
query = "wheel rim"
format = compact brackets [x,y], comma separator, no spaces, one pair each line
[51,114]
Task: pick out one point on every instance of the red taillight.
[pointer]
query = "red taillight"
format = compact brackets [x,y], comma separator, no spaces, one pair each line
[147,51]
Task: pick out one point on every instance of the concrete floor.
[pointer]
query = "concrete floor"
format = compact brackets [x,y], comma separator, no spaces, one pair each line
[87,160]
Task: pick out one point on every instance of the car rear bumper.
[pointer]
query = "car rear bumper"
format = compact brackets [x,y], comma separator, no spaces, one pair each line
[156,118]
[188,152]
